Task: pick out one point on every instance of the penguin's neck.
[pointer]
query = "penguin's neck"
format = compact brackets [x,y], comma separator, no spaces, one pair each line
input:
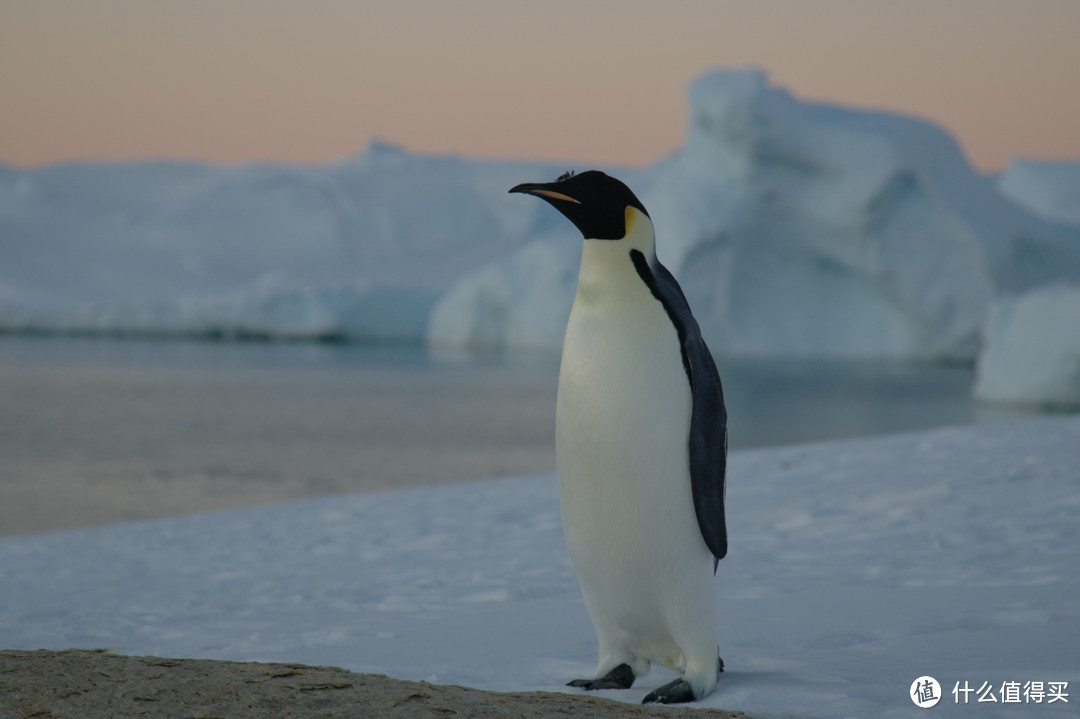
[606,266]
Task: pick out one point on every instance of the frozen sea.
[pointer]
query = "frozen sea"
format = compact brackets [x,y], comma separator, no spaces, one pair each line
[857,565]
[98,430]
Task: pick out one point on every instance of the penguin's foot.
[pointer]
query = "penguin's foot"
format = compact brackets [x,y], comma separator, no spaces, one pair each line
[676,692]
[621,677]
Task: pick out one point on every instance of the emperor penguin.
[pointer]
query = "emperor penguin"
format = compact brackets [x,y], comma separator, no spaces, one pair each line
[641,449]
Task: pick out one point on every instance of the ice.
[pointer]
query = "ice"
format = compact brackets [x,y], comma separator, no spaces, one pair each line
[521,303]
[1032,349]
[1049,189]
[855,567]
[360,249]
[804,229]
[796,229]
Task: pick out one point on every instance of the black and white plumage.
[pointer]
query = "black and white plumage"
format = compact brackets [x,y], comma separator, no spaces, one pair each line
[641,446]
[708,419]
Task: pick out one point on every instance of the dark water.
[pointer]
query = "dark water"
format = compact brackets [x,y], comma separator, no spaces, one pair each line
[770,401]
[98,431]
[775,402]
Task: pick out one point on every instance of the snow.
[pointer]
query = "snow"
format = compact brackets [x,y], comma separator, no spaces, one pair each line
[855,567]
[1032,349]
[796,228]
[1049,189]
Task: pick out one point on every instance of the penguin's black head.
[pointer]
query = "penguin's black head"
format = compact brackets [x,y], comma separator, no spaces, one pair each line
[596,203]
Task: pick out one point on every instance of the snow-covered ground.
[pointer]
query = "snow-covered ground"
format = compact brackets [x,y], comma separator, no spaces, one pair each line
[855,567]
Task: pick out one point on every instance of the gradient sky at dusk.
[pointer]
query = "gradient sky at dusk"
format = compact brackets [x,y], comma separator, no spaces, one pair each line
[604,81]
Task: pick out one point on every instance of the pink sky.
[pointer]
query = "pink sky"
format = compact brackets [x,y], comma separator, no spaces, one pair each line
[588,82]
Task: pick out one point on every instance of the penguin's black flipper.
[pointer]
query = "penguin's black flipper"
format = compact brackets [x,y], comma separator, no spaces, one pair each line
[621,677]
[708,421]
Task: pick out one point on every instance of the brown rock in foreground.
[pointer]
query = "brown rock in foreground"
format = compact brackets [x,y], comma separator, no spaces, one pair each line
[88,685]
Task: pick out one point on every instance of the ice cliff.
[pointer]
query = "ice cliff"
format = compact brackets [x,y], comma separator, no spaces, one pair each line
[360,250]
[804,229]
[1051,190]
[1032,349]
[795,228]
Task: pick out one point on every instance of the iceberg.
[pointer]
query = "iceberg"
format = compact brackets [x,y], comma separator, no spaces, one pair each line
[521,303]
[795,228]
[358,250]
[1051,190]
[1032,349]
[805,229]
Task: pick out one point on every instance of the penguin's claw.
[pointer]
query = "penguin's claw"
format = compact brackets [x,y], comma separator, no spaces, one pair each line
[676,692]
[621,677]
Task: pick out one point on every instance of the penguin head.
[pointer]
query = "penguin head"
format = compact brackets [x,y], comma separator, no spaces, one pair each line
[596,203]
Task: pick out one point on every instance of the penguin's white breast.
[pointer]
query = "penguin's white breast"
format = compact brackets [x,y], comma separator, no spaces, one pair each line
[623,420]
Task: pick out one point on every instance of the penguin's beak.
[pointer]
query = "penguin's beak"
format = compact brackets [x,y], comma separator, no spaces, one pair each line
[543,190]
